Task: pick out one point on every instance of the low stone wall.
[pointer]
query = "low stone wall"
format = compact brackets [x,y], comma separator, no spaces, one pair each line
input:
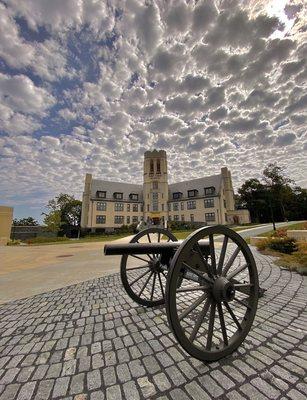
[298,234]
[256,239]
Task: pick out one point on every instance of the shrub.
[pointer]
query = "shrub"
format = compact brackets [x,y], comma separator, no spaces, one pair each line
[281,232]
[42,239]
[282,245]
[262,244]
[14,243]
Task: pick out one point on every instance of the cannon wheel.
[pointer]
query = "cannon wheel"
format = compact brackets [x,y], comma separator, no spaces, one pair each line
[143,276]
[211,301]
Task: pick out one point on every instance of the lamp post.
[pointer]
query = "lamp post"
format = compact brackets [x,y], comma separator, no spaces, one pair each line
[271,208]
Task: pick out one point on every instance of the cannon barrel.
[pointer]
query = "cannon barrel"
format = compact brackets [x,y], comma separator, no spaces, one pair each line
[148,248]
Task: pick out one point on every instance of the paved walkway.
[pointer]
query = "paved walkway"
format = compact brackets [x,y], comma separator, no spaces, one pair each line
[91,342]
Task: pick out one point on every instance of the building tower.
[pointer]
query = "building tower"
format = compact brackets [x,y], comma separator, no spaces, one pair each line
[229,193]
[86,201]
[155,186]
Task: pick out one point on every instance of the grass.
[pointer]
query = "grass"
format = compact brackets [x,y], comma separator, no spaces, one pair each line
[183,234]
[298,226]
[86,239]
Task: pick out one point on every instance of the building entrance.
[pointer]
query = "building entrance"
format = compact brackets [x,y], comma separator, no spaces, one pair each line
[156,221]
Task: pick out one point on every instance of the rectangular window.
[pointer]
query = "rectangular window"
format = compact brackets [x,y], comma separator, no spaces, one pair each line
[119,219]
[182,218]
[192,193]
[177,195]
[209,191]
[225,203]
[133,196]
[118,206]
[128,220]
[182,205]
[210,216]
[118,195]
[128,207]
[135,208]
[162,206]
[155,206]
[176,217]
[191,205]
[169,206]
[135,219]
[175,206]
[155,185]
[101,194]
[192,217]
[101,206]
[209,203]
[100,219]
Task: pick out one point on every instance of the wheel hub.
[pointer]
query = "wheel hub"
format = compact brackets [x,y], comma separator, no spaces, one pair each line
[155,265]
[223,289]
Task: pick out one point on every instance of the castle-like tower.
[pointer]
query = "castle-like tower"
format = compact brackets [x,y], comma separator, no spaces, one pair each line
[155,187]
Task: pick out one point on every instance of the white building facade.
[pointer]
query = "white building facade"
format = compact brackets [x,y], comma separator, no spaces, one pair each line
[209,200]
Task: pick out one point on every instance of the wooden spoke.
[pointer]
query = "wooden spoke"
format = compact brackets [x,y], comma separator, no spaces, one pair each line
[194,271]
[222,322]
[236,271]
[145,284]
[231,261]
[148,237]
[212,254]
[161,286]
[199,321]
[192,288]
[222,255]
[139,258]
[205,264]
[233,315]
[243,303]
[136,268]
[153,286]
[139,277]
[211,326]
[243,288]
[159,236]
[195,304]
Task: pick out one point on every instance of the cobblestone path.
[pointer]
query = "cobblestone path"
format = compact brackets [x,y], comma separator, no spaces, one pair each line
[91,342]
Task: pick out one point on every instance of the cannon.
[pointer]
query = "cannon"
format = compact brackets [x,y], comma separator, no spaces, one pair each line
[208,283]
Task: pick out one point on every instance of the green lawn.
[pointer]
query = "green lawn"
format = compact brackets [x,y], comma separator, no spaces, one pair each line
[298,226]
[87,239]
[182,234]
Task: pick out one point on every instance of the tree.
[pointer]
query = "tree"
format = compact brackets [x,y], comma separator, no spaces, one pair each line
[64,212]
[53,221]
[29,221]
[251,196]
[279,184]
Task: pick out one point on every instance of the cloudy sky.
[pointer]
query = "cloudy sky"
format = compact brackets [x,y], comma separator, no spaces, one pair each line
[89,85]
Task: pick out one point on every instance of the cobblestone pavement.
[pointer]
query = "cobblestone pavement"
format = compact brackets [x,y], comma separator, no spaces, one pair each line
[90,341]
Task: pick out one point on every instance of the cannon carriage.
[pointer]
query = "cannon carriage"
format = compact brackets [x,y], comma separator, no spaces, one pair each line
[208,283]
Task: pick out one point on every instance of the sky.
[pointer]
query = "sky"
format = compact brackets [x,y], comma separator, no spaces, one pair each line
[90,85]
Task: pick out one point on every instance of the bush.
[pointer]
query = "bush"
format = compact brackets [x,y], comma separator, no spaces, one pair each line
[41,239]
[14,243]
[281,233]
[262,244]
[282,245]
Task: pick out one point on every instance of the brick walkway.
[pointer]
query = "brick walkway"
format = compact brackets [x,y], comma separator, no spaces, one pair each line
[90,341]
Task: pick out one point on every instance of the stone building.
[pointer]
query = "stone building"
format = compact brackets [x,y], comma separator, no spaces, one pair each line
[6,217]
[208,200]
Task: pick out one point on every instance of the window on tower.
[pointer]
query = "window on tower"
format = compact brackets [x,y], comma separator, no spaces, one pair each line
[151,171]
[158,167]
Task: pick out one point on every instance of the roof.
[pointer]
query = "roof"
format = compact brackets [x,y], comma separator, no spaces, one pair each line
[198,184]
[112,187]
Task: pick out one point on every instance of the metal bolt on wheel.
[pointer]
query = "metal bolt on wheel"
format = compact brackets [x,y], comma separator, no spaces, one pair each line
[211,299]
[144,275]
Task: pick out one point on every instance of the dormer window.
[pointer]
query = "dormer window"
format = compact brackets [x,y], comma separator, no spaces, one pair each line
[133,196]
[101,194]
[118,195]
[192,193]
[209,191]
[177,195]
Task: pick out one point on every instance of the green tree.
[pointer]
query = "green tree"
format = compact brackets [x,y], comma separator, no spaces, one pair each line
[279,184]
[252,196]
[64,211]
[29,221]
[52,221]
